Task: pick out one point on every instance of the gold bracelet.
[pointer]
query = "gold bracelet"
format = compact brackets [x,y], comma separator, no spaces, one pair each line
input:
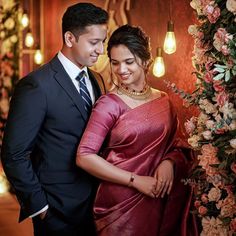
[131,180]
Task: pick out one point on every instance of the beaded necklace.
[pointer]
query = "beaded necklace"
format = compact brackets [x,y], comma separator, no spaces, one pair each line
[139,95]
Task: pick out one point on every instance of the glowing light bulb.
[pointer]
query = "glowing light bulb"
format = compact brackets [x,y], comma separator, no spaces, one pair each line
[170,42]
[159,66]
[38,57]
[29,40]
[24,20]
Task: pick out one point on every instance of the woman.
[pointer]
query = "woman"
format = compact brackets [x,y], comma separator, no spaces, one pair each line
[130,139]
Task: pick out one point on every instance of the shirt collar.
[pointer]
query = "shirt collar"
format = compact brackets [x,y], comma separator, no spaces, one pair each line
[72,69]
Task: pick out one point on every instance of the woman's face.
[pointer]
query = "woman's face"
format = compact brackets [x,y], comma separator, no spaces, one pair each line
[127,68]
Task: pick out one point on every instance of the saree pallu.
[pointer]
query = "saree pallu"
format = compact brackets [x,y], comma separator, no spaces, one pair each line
[137,140]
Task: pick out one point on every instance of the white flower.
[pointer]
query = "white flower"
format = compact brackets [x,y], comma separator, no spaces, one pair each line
[193,141]
[207,135]
[7,4]
[2,34]
[214,195]
[13,38]
[6,46]
[231,6]
[192,30]
[233,143]
[9,23]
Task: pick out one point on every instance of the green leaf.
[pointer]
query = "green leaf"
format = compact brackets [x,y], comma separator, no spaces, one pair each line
[227,75]
[219,69]
[219,76]
[220,66]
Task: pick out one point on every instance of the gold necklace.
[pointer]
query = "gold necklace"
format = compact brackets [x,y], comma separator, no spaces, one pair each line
[139,95]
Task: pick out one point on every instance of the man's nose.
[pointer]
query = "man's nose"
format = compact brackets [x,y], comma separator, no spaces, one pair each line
[100,48]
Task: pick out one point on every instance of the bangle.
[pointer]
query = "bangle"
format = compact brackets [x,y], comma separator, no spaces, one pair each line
[131,180]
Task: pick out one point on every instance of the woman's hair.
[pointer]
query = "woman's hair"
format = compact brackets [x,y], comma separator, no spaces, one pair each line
[135,39]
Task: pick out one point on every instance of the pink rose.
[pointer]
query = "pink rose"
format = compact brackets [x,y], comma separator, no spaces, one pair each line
[217,85]
[214,15]
[225,50]
[233,167]
[233,225]
[222,98]
[189,126]
[204,198]
[208,77]
[197,204]
[202,210]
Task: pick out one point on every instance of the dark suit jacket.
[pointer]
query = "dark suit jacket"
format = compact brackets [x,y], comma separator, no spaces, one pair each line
[45,124]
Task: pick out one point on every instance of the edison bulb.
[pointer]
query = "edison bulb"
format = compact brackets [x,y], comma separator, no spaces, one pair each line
[170,42]
[159,66]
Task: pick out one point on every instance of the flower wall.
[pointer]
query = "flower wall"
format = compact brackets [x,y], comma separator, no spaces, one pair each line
[213,132]
[9,55]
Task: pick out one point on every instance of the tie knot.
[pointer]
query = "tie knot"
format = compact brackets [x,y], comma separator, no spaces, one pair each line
[81,75]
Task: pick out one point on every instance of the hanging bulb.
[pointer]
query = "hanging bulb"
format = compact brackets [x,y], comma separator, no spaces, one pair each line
[159,66]
[170,42]
[29,39]
[38,57]
[24,20]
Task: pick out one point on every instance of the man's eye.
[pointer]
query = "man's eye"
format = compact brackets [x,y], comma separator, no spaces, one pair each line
[114,63]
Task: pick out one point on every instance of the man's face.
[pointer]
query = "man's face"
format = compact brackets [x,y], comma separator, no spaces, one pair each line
[85,50]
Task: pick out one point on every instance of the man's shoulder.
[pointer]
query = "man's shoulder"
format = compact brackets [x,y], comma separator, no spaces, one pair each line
[99,80]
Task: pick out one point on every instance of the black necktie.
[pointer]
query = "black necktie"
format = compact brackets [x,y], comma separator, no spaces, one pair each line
[84,91]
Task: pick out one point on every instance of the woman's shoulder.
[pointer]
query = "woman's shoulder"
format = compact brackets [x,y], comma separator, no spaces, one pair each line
[156,93]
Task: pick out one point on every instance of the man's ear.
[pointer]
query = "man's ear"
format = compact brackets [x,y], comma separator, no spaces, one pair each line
[69,39]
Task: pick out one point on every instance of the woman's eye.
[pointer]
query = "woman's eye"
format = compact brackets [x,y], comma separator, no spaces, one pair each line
[129,62]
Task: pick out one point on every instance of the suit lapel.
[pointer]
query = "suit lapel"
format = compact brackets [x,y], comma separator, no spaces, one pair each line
[66,84]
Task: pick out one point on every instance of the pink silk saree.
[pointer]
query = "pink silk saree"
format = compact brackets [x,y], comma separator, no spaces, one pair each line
[137,140]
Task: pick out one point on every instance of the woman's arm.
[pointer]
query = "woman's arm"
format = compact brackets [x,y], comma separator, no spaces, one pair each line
[99,167]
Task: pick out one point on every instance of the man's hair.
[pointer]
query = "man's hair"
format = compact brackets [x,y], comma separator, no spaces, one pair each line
[80,15]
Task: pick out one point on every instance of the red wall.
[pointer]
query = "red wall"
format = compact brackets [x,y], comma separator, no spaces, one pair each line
[152,16]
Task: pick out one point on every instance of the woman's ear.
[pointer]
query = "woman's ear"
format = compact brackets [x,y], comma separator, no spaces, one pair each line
[69,39]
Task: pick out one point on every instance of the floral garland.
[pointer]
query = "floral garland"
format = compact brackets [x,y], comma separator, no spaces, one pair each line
[9,55]
[213,132]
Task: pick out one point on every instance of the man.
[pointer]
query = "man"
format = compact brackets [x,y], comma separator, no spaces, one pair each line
[48,114]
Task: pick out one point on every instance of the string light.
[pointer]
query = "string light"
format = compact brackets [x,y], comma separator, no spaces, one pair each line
[29,39]
[24,20]
[38,57]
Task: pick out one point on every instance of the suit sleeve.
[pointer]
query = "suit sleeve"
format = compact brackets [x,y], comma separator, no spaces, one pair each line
[26,115]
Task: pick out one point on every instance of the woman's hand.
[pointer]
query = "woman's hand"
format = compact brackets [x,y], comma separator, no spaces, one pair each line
[145,185]
[165,176]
